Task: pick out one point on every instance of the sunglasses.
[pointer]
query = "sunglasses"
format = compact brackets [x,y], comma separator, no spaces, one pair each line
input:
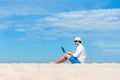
[75,41]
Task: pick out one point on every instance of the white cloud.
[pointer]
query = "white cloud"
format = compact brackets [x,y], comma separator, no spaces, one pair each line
[108,46]
[20,30]
[2,26]
[104,19]
[78,22]
[38,7]
[95,23]
[21,39]
[21,9]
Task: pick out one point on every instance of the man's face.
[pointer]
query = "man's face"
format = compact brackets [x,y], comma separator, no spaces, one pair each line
[76,43]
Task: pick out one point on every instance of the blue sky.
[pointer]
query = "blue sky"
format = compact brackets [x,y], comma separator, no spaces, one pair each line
[33,31]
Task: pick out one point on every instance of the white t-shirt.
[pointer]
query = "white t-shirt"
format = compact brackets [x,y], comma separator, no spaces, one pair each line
[80,54]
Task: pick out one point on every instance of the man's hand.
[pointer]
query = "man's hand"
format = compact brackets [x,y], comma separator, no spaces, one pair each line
[70,53]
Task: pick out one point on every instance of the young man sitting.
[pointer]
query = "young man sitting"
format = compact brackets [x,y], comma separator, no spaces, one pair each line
[78,57]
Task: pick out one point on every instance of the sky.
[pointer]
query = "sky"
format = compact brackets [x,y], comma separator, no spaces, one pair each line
[33,31]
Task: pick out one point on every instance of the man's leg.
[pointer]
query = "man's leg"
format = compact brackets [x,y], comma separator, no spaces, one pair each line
[63,58]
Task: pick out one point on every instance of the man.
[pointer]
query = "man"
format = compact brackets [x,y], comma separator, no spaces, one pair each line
[77,57]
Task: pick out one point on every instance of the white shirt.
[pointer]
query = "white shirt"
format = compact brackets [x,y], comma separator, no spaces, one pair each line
[80,54]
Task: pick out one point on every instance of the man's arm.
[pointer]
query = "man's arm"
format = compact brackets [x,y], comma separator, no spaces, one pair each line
[77,53]
[70,53]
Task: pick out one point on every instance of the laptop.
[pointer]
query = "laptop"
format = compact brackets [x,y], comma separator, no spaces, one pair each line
[63,49]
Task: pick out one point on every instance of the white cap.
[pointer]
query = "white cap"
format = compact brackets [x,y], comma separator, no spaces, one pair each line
[77,39]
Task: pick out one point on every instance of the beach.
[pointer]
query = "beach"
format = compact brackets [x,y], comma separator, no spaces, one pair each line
[31,71]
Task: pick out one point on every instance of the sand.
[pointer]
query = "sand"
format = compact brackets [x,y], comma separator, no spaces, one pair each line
[60,71]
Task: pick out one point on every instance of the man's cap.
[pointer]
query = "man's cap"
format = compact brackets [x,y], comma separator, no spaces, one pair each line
[77,39]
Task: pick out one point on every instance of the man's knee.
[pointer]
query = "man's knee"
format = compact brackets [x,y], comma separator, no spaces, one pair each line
[67,55]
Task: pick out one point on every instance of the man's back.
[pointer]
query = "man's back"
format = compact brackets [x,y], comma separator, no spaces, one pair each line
[80,53]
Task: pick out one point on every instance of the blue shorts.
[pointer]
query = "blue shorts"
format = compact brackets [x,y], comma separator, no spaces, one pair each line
[73,60]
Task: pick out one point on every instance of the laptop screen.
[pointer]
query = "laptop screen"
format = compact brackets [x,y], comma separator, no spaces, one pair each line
[63,49]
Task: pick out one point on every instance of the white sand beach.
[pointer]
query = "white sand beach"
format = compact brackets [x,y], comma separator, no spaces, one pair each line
[60,71]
